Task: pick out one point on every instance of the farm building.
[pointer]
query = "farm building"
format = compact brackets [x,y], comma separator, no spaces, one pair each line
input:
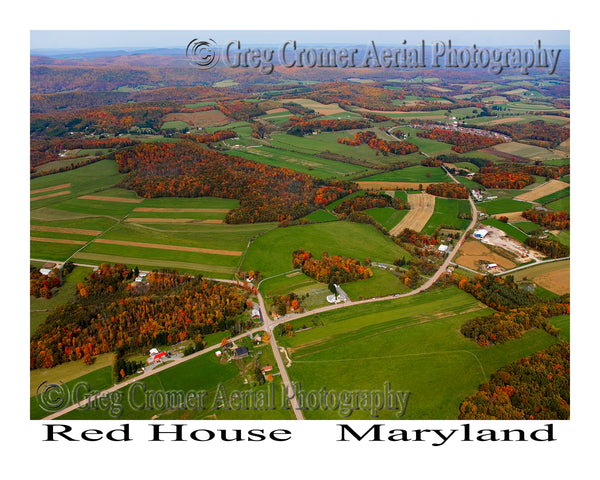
[491,265]
[255,313]
[155,358]
[141,277]
[267,368]
[153,351]
[480,234]
[443,248]
[241,352]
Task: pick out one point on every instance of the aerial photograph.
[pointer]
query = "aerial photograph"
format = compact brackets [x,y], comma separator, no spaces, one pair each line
[299,225]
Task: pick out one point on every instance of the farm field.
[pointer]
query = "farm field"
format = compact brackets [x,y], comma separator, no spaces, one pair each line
[300,162]
[528,151]
[421,208]
[330,109]
[446,213]
[538,270]
[416,174]
[388,216]
[506,205]
[113,225]
[540,193]
[352,240]
[413,343]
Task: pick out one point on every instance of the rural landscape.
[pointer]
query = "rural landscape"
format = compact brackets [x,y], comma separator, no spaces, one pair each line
[223,244]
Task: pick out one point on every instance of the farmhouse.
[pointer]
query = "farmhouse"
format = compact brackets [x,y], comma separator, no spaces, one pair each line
[443,248]
[335,298]
[256,313]
[240,352]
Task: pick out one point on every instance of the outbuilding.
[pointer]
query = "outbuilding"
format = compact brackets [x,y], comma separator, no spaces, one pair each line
[480,234]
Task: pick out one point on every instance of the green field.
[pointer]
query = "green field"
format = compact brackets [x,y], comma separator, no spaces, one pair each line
[99,379]
[561,204]
[446,212]
[426,145]
[504,205]
[84,180]
[321,216]
[176,125]
[413,343]
[531,152]
[418,174]
[388,217]
[328,142]
[381,284]
[564,323]
[300,162]
[527,227]
[352,240]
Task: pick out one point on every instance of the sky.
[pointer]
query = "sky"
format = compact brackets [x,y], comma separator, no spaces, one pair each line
[139,39]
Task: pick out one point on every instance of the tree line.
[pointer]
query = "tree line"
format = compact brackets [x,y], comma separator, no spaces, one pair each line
[330,269]
[109,313]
